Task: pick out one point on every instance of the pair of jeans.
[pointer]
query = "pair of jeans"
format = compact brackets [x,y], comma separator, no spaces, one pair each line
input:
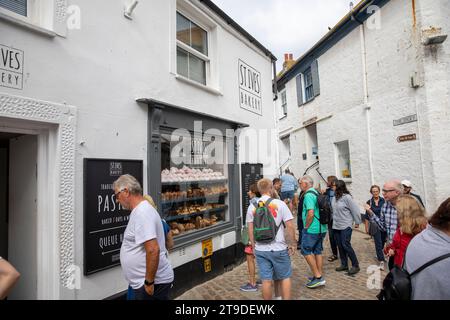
[380,240]
[343,239]
[160,292]
[332,237]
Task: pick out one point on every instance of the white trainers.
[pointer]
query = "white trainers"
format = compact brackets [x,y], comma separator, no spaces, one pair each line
[382,265]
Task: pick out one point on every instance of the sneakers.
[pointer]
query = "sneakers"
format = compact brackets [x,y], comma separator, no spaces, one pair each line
[353,270]
[341,268]
[382,265]
[259,283]
[316,283]
[249,288]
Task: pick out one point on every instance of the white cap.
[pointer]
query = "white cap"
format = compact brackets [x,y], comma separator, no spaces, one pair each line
[407,183]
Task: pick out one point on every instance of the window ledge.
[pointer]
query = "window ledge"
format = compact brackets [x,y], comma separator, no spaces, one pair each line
[27,25]
[347,180]
[198,85]
[307,102]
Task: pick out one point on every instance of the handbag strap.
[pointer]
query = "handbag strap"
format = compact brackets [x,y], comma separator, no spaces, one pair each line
[429,263]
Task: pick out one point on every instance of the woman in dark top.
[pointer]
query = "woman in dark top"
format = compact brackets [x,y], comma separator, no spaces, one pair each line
[373,206]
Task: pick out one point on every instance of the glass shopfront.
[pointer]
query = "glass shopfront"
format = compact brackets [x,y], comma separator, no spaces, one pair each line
[194,189]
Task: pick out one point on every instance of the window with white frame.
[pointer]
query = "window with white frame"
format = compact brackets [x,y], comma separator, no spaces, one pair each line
[17,6]
[309,90]
[343,159]
[283,103]
[36,14]
[192,50]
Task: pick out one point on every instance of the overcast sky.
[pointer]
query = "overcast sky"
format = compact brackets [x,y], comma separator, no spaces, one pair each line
[286,26]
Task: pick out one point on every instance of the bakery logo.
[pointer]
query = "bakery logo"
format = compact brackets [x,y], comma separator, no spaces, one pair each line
[249,88]
[115,169]
[11,67]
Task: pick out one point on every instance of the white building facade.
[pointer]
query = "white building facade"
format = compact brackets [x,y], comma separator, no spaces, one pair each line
[370,101]
[82,88]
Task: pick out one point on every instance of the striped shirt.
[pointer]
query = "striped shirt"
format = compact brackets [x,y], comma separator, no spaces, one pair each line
[388,220]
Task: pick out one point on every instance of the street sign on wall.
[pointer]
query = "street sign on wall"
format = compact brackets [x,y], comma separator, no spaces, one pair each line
[104,219]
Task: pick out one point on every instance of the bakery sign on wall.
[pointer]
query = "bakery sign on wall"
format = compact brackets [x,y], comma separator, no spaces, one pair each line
[11,67]
[249,88]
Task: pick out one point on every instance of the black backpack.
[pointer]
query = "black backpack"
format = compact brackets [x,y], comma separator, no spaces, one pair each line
[397,284]
[323,202]
[265,228]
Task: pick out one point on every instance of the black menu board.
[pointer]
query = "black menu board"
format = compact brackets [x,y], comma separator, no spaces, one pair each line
[250,173]
[104,219]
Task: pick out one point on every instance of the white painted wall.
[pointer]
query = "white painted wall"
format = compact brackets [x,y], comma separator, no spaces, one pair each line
[394,52]
[103,67]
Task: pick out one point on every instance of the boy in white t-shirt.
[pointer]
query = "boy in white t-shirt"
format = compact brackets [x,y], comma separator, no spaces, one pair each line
[273,259]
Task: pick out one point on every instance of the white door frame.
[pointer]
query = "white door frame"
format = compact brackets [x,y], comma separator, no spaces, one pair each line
[55,126]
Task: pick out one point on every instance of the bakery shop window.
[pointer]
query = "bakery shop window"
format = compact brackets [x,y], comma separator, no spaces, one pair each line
[194,181]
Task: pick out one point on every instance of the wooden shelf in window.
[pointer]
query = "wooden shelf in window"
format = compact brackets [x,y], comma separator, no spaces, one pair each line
[182,200]
[188,183]
[188,216]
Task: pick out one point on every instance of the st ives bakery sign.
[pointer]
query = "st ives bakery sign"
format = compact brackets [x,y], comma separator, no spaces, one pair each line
[11,67]
[249,88]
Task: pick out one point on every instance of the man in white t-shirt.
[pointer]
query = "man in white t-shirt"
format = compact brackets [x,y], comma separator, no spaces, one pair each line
[143,255]
[273,259]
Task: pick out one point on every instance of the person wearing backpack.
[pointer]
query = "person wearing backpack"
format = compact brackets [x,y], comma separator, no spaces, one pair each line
[252,284]
[345,212]
[433,282]
[266,228]
[313,233]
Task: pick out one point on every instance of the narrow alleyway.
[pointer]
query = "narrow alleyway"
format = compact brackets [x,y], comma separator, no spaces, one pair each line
[339,286]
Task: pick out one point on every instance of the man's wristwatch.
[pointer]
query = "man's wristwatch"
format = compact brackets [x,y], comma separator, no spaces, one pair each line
[147,283]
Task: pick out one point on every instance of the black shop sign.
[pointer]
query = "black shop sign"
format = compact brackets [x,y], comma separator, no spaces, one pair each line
[104,219]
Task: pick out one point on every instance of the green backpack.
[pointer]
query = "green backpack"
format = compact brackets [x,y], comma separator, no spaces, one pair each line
[265,228]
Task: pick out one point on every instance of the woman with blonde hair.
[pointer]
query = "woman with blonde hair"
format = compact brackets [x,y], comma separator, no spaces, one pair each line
[412,220]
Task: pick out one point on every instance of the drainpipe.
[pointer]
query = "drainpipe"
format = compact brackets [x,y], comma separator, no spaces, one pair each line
[366,98]
[275,98]
[416,39]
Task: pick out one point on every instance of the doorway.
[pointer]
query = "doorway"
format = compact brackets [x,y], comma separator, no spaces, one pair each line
[18,209]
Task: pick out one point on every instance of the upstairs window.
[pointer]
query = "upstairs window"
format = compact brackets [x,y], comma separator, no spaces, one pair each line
[283,103]
[308,84]
[309,90]
[192,50]
[16,6]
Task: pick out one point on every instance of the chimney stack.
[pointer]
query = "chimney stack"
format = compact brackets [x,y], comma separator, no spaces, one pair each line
[288,61]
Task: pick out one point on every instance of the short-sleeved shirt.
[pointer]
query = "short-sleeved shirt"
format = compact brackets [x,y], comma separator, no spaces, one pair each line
[310,203]
[282,214]
[144,225]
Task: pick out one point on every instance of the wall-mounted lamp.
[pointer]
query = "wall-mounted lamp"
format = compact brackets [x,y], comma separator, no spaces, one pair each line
[435,39]
[128,9]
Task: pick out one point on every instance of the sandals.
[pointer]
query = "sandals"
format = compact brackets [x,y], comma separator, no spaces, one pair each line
[332,258]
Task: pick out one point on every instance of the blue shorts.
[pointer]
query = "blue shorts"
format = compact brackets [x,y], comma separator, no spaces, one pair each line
[273,265]
[287,195]
[312,243]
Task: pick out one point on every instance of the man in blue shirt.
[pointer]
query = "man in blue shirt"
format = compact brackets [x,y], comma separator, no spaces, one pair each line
[289,186]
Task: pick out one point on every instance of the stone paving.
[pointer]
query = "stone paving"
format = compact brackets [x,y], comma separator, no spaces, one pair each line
[339,286]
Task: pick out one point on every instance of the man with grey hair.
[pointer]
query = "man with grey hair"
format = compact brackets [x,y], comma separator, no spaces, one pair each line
[313,233]
[388,220]
[143,254]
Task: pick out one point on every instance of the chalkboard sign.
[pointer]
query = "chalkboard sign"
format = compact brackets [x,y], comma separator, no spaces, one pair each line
[250,174]
[104,219]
